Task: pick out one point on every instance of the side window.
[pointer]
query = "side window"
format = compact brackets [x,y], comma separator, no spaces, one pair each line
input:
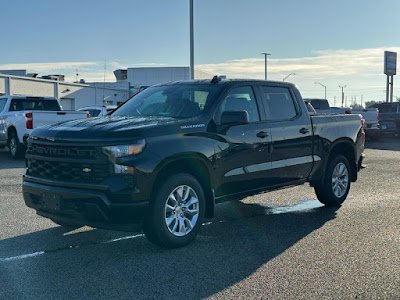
[278,103]
[239,99]
[94,112]
[2,104]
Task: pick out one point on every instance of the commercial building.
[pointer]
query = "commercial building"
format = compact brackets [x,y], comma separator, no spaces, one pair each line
[73,96]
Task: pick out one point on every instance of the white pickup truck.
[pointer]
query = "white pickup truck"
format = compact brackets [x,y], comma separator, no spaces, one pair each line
[98,110]
[373,130]
[19,115]
[370,115]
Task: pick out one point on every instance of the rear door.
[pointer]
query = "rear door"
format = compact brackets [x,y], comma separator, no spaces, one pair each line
[291,135]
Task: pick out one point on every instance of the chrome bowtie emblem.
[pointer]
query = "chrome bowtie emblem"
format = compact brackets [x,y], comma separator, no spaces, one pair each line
[87,170]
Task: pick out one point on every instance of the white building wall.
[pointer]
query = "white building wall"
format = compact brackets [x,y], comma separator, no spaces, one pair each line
[2,85]
[151,76]
[20,86]
[155,75]
[84,95]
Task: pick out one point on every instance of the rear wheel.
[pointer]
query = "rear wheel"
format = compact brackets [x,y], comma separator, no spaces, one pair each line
[335,187]
[16,149]
[176,213]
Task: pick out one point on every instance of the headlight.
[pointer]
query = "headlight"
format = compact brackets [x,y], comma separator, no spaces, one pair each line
[116,152]
[125,150]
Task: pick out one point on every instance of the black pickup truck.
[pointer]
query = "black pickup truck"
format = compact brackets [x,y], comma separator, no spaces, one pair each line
[164,158]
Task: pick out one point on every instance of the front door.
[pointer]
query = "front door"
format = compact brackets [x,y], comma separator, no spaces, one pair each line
[243,151]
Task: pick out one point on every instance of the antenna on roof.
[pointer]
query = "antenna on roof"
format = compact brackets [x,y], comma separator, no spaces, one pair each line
[216,79]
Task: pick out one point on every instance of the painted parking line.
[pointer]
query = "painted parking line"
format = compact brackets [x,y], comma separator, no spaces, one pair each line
[38,253]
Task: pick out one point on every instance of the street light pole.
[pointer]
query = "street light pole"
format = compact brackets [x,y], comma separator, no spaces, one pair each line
[288,76]
[342,87]
[324,86]
[191,42]
[265,54]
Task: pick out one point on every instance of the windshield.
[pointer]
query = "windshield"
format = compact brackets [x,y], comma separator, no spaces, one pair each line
[2,104]
[176,101]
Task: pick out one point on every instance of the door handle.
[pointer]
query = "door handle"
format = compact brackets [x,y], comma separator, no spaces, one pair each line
[262,134]
[304,130]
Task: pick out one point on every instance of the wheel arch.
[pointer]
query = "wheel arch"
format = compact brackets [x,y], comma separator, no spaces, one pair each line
[194,165]
[10,130]
[346,148]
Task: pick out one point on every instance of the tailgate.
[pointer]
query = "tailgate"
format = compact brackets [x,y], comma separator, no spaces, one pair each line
[369,115]
[41,118]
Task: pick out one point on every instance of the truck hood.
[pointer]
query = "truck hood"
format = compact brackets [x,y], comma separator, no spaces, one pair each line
[103,128]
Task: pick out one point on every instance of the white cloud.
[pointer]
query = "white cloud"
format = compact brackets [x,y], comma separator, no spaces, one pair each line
[90,71]
[361,70]
[44,67]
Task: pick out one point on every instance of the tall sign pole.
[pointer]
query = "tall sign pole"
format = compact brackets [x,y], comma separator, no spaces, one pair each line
[191,42]
[390,70]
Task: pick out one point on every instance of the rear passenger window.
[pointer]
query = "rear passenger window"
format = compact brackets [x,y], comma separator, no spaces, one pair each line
[278,103]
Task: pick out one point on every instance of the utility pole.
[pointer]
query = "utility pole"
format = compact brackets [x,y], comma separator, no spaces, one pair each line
[342,87]
[265,54]
[191,42]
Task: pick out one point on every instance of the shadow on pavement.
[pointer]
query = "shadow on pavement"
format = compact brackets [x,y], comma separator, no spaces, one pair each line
[106,264]
[385,143]
[6,162]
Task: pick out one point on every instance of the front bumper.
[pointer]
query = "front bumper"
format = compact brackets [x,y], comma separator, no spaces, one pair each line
[83,206]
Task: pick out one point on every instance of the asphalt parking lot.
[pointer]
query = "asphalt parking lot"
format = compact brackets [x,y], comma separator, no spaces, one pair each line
[280,245]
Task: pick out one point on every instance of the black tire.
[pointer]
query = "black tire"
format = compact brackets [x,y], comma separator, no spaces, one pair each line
[335,187]
[16,149]
[182,215]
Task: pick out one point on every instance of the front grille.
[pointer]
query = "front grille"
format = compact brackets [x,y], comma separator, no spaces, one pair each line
[67,171]
[72,163]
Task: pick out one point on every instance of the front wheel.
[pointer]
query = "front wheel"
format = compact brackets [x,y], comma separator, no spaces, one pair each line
[176,213]
[335,187]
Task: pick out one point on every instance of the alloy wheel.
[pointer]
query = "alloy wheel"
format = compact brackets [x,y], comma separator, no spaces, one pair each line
[340,180]
[181,210]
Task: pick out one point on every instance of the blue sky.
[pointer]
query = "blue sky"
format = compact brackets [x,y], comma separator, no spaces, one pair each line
[332,42]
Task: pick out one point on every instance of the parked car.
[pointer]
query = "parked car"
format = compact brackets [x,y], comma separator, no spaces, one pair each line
[98,110]
[322,106]
[19,115]
[165,157]
[389,116]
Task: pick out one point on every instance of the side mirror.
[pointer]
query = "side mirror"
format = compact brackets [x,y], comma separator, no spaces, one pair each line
[234,117]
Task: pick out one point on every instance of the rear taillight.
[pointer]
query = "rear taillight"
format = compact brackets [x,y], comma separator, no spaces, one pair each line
[88,115]
[362,130]
[29,120]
